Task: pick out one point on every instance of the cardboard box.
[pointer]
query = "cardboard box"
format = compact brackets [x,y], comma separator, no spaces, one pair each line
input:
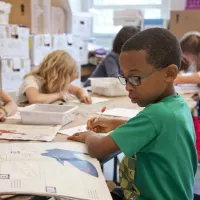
[59,42]
[184,21]
[13,72]
[82,25]
[35,14]
[5,9]
[14,42]
[40,46]
[58,20]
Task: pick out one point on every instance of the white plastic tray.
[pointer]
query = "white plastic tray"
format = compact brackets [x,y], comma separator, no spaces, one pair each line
[108,87]
[47,114]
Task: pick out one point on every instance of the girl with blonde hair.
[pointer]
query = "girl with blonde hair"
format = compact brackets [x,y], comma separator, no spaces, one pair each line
[190,45]
[51,81]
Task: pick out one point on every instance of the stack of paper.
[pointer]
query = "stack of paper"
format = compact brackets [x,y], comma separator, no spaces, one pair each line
[51,169]
[28,132]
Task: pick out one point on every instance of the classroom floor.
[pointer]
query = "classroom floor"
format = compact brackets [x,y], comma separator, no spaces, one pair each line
[197,183]
[108,173]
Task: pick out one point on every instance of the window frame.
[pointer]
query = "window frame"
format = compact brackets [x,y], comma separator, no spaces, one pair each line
[164,7]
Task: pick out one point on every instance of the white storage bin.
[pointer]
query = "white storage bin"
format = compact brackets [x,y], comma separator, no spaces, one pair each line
[47,114]
[108,87]
[5,9]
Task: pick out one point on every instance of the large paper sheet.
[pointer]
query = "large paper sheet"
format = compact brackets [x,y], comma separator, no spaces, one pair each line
[121,112]
[51,169]
[28,132]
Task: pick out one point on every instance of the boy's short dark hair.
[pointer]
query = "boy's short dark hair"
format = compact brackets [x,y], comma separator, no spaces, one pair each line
[162,47]
[122,36]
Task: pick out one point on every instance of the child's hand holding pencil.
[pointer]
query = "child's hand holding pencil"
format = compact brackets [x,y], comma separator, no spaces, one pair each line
[99,124]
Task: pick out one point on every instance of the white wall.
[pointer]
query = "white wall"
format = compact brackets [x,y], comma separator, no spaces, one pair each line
[76,5]
[178,4]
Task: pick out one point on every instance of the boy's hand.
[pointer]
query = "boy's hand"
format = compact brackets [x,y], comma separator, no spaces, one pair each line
[85,99]
[101,125]
[80,137]
[2,116]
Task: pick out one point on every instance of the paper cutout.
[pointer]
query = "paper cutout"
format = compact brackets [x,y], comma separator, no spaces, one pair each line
[62,155]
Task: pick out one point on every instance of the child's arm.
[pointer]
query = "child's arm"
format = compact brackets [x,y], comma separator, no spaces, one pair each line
[132,137]
[9,106]
[98,147]
[104,125]
[192,79]
[80,93]
[34,96]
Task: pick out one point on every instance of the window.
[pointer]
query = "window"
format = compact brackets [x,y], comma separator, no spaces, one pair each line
[126,2]
[103,23]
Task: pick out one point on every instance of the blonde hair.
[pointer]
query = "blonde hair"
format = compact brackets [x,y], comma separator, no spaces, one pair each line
[190,43]
[55,72]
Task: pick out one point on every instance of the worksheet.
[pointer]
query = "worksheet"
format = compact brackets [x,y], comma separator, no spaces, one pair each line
[72,131]
[51,169]
[28,132]
[120,112]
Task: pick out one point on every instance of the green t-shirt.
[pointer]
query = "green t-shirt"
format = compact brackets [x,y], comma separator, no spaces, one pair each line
[162,137]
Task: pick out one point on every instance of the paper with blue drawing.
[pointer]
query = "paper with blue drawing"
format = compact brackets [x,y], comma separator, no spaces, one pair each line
[51,169]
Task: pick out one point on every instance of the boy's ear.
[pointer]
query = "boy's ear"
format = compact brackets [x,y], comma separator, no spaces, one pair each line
[171,73]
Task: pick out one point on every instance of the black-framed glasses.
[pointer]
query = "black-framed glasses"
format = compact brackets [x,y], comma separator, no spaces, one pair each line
[136,80]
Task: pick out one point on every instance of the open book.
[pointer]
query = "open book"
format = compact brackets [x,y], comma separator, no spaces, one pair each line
[51,169]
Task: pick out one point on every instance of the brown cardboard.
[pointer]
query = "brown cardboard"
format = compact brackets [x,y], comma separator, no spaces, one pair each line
[35,14]
[184,21]
[20,12]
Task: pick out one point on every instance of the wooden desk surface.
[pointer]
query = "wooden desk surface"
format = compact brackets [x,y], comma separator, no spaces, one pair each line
[85,112]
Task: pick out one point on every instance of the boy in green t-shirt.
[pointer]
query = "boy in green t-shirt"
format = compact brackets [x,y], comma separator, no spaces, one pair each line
[162,135]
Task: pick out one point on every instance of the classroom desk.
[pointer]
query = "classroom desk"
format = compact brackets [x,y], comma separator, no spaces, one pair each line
[85,112]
